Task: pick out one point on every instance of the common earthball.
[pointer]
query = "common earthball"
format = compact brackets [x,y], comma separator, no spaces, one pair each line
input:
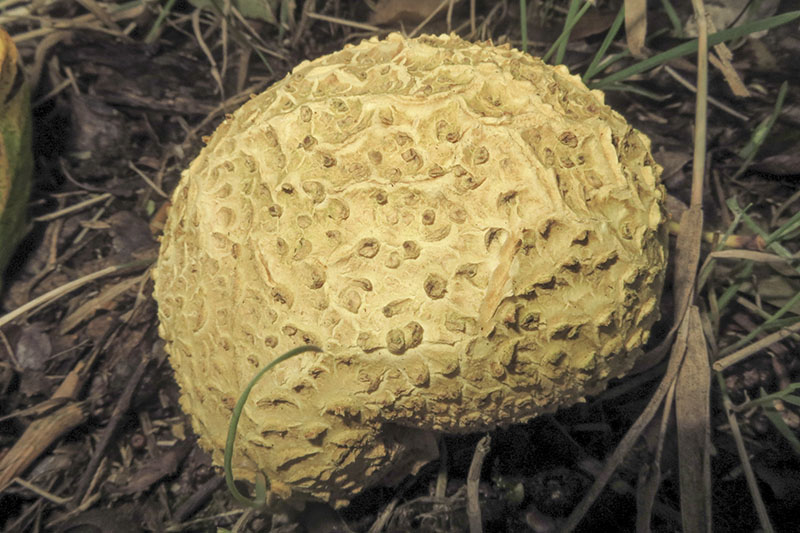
[472,236]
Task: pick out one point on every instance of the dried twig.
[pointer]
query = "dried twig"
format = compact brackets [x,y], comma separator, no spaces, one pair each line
[747,351]
[197,499]
[441,476]
[38,437]
[73,208]
[427,19]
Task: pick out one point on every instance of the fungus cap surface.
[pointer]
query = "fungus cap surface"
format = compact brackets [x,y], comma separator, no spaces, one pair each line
[472,236]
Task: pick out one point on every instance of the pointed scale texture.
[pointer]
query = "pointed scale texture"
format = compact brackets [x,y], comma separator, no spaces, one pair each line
[472,236]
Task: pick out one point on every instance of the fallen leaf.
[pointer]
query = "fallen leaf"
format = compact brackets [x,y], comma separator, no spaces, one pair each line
[131,236]
[724,64]
[33,347]
[636,26]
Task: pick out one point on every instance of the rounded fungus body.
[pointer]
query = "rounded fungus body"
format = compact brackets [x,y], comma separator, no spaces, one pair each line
[472,236]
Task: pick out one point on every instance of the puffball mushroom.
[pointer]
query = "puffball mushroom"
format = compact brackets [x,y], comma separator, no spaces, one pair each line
[472,236]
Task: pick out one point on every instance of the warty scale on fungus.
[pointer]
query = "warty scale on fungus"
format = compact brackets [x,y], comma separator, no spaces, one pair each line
[472,236]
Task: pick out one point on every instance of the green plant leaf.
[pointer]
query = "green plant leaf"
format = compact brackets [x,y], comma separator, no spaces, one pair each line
[16,160]
[794,400]
[777,420]
[559,47]
[761,132]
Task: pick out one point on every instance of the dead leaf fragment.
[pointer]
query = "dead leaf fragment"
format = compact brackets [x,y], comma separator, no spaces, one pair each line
[693,413]
[636,26]
[724,64]
[33,347]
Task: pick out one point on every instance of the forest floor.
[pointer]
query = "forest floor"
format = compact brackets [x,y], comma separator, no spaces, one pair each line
[122,99]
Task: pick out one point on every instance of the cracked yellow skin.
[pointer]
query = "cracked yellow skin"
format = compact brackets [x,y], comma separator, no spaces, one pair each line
[472,236]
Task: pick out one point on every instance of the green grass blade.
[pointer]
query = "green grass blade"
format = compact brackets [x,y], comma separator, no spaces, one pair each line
[770,322]
[635,89]
[675,20]
[691,46]
[762,131]
[559,47]
[283,24]
[594,67]
[777,420]
[769,239]
[523,24]
[155,30]
[773,243]
[760,134]
[765,399]
[744,457]
[262,483]
[730,292]
[706,272]
[792,225]
[794,400]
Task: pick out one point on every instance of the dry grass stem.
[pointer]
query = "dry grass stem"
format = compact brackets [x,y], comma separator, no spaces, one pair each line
[345,22]
[41,492]
[73,208]
[53,295]
[430,17]
[148,181]
[740,355]
[693,415]
[473,484]
[713,101]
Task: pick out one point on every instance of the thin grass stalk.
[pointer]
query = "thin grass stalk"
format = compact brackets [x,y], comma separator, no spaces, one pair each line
[594,66]
[560,44]
[701,107]
[155,30]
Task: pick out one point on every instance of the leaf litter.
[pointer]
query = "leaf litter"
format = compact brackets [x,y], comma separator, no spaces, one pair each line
[155,77]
